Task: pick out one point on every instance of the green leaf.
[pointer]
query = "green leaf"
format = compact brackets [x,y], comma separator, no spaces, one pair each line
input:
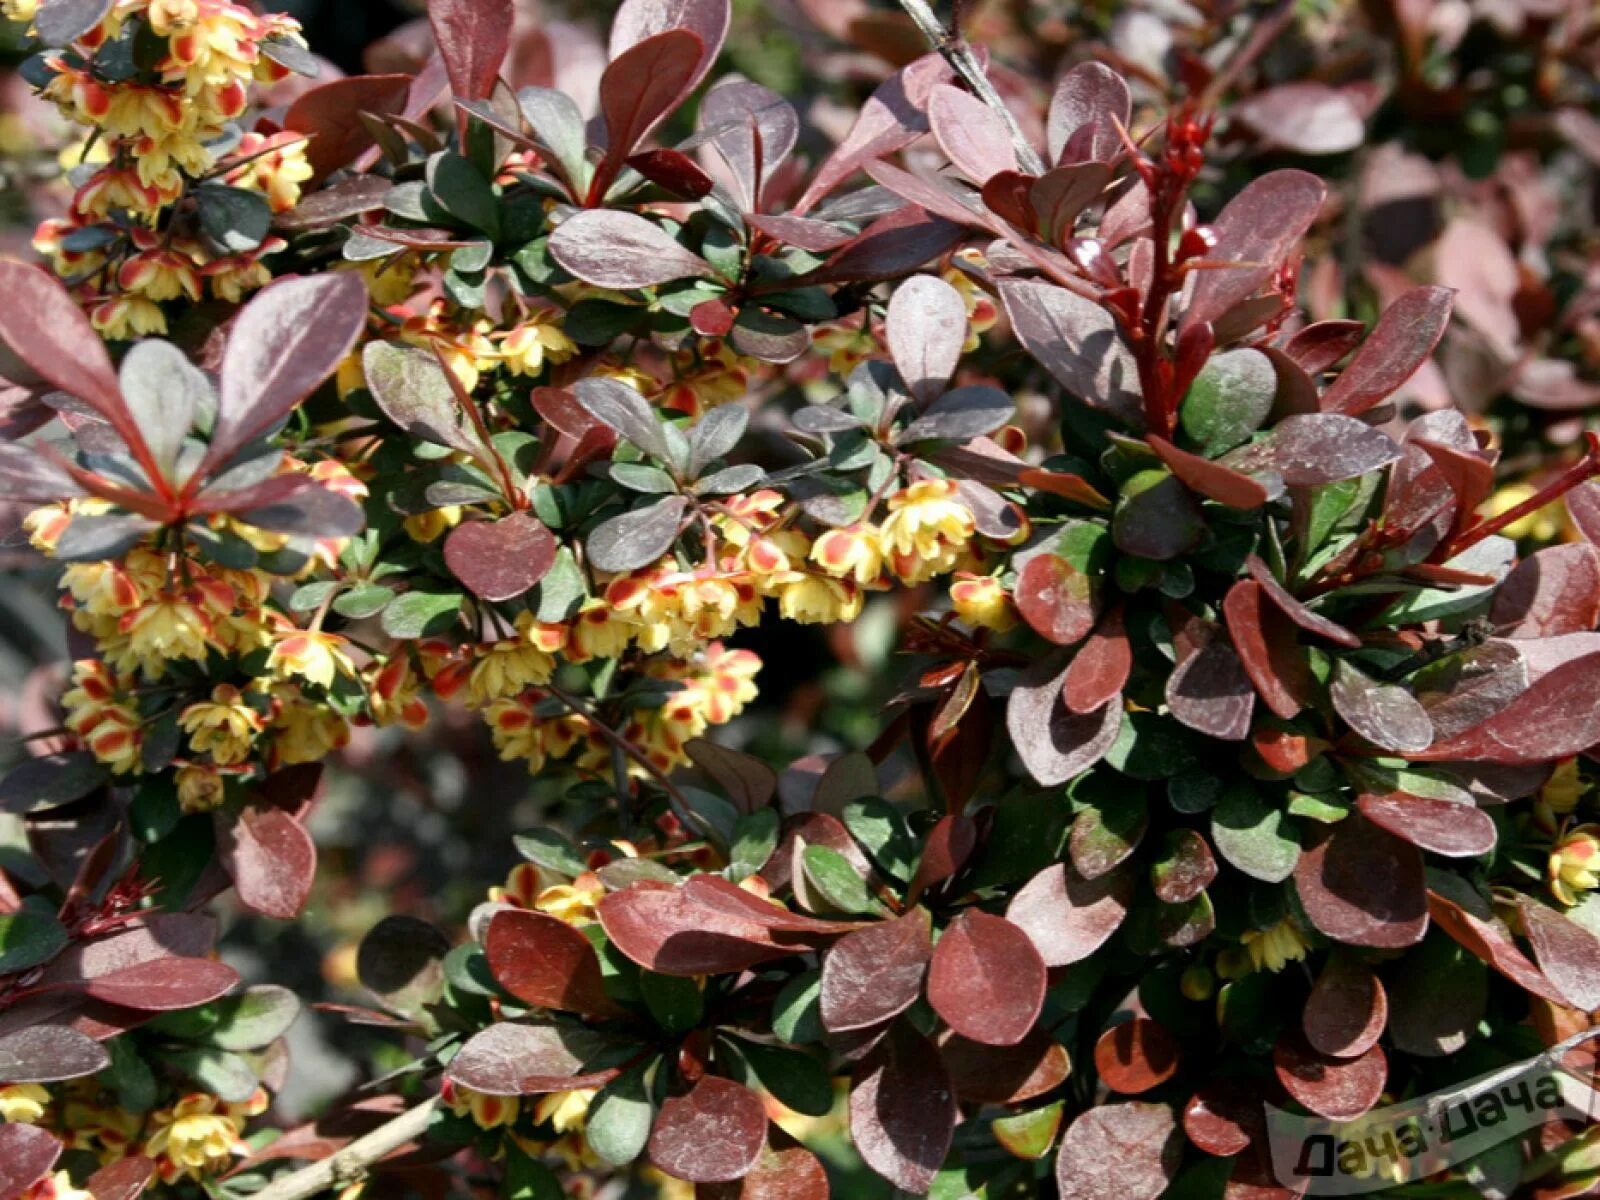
[794,1077]
[235,219]
[1150,746]
[29,938]
[836,880]
[526,1178]
[620,1117]
[1253,835]
[220,1072]
[1229,400]
[1029,1134]
[363,601]
[883,834]
[310,596]
[600,322]
[561,592]
[755,837]
[1329,503]
[797,1012]
[154,811]
[463,192]
[641,477]
[675,1002]
[548,849]
[129,1076]
[419,614]
[255,1018]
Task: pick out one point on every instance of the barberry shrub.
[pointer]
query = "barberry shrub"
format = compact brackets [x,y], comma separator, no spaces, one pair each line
[1239,761]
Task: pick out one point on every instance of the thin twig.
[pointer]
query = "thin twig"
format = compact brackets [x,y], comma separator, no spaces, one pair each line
[347,1166]
[958,53]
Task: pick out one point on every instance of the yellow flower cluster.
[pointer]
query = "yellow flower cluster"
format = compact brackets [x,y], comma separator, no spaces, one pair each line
[196,1137]
[150,138]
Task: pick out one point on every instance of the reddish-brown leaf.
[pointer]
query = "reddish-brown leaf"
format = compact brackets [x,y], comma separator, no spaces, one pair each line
[1056,599]
[903,1109]
[748,781]
[1361,885]
[1054,743]
[1400,342]
[1340,1089]
[972,135]
[330,115]
[164,984]
[1320,345]
[1468,474]
[546,962]
[44,327]
[1446,827]
[1211,691]
[1004,1074]
[26,1155]
[500,560]
[1100,669]
[122,1180]
[1136,1055]
[724,896]
[1554,719]
[1119,1152]
[786,1171]
[1222,1118]
[1289,606]
[987,981]
[1069,917]
[944,852]
[48,1054]
[1185,868]
[873,974]
[1490,942]
[473,37]
[665,929]
[713,1134]
[1568,953]
[1209,479]
[1347,1009]
[1551,592]
[271,860]
[926,326]
[641,87]
[1267,649]
[509,1059]
[637,20]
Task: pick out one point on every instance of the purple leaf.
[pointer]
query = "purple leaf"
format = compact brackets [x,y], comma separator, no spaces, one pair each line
[1289,606]
[895,244]
[58,22]
[124,1179]
[1209,479]
[1119,1152]
[638,20]
[500,560]
[26,474]
[1257,230]
[508,1059]
[271,859]
[1210,691]
[926,327]
[1340,1089]
[713,1134]
[1054,743]
[1568,953]
[1318,346]
[1551,592]
[667,930]
[163,391]
[622,250]
[1384,714]
[1347,1009]
[1554,719]
[1308,449]
[638,538]
[164,984]
[986,980]
[1303,117]
[972,135]
[473,37]
[1056,599]
[875,973]
[1090,97]
[1068,917]
[1400,342]
[1363,886]
[295,504]
[903,1110]
[285,342]
[330,116]
[639,90]
[1100,669]
[753,129]
[1078,342]
[26,1155]
[1446,827]
[48,1054]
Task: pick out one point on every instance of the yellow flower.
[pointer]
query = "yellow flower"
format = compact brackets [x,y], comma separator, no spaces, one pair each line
[565,1112]
[305,731]
[193,1137]
[819,600]
[23,1103]
[522,886]
[512,665]
[981,602]
[539,339]
[926,530]
[1561,791]
[57,1187]
[312,655]
[572,902]
[1575,864]
[20,10]
[487,1112]
[850,553]
[599,631]
[1275,947]
[123,318]
[114,738]
[200,787]
[394,693]
[426,527]
[223,727]
[276,166]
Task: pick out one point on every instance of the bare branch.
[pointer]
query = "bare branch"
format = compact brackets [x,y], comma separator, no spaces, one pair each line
[350,1164]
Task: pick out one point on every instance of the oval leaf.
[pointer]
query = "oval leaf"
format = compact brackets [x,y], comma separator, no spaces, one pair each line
[987,981]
